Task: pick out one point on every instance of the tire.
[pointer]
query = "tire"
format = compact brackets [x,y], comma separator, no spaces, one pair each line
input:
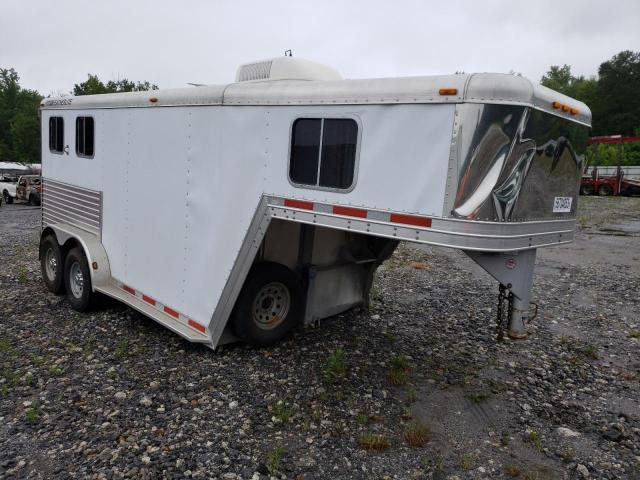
[52,264]
[605,190]
[269,306]
[8,199]
[586,190]
[37,200]
[77,280]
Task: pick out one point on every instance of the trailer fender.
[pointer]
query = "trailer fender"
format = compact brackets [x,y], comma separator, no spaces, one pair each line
[93,249]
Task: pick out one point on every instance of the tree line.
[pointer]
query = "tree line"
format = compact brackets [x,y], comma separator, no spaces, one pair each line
[613,96]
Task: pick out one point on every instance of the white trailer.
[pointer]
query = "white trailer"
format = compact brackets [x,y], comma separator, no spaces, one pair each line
[242,210]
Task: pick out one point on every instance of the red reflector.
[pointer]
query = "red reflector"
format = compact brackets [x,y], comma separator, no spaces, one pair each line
[410,220]
[298,204]
[350,212]
[149,300]
[196,325]
[128,289]
[171,312]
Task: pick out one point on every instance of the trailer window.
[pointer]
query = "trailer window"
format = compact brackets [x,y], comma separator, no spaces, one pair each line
[84,136]
[56,134]
[323,152]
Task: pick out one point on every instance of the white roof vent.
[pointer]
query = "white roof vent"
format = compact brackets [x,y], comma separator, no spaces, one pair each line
[285,68]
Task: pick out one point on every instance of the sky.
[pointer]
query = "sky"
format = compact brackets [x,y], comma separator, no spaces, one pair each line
[55,44]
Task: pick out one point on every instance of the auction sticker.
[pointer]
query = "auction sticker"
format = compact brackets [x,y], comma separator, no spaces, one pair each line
[562,204]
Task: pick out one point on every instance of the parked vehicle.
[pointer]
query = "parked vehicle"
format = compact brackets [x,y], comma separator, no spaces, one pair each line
[289,187]
[604,185]
[26,187]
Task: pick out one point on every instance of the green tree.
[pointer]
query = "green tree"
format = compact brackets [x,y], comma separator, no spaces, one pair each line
[618,93]
[19,124]
[94,86]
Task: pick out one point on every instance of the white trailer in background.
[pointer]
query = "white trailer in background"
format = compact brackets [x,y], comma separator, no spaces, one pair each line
[241,210]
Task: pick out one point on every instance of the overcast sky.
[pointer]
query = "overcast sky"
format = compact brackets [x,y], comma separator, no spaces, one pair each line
[54,44]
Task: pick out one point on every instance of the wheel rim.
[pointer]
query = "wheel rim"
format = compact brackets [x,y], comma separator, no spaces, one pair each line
[271,305]
[76,280]
[50,264]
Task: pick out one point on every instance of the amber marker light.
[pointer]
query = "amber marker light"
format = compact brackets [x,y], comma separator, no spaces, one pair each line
[448,91]
[556,105]
[573,111]
[153,99]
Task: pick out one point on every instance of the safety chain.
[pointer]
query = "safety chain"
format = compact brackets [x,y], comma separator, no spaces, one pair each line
[504,295]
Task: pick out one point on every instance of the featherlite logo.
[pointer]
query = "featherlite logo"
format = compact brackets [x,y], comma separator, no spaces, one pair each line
[58,101]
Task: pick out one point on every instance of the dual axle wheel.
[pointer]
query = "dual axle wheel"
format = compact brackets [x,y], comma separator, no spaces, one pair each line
[270,303]
[66,272]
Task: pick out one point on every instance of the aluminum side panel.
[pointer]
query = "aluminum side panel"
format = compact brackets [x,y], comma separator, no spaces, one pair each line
[402,157]
[226,176]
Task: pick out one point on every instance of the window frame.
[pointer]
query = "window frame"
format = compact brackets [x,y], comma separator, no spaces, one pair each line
[56,152]
[356,159]
[78,154]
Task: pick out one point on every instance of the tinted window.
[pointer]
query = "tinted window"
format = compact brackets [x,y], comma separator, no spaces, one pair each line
[84,136]
[338,153]
[305,151]
[332,142]
[56,134]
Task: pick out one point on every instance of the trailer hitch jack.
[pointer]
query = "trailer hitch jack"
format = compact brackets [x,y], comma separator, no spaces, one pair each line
[514,272]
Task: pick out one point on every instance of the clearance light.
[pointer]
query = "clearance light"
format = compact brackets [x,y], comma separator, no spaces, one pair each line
[153,99]
[564,108]
[448,91]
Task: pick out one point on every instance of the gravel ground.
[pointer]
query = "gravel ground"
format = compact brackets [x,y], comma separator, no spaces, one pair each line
[418,387]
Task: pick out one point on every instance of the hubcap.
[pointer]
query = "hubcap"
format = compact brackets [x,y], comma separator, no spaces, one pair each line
[271,305]
[76,280]
[50,264]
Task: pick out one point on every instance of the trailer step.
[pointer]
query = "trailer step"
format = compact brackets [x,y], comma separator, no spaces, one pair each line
[173,324]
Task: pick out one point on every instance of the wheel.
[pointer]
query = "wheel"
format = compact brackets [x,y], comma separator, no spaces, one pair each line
[269,306]
[34,200]
[51,263]
[605,190]
[8,199]
[586,190]
[77,280]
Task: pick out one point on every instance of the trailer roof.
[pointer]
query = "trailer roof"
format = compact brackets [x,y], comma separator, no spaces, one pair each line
[492,88]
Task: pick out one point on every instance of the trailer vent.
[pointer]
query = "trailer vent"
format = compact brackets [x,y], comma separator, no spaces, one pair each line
[254,71]
[285,68]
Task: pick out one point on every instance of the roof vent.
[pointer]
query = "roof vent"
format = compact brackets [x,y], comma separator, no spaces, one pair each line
[285,68]
[254,71]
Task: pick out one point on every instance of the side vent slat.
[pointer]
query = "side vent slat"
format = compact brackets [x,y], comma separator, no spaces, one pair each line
[73,205]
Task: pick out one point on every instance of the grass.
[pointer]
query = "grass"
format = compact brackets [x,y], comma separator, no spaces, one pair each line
[477,397]
[512,471]
[398,370]
[417,435]
[23,274]
[336,367]
[534,438]
[55,370]
[274,460]
[390,336]
[5,346]
[32,414]
[281,411]
[122,349]
[362,419]
[374,441]
[634,334]
[467,460]
[412,396]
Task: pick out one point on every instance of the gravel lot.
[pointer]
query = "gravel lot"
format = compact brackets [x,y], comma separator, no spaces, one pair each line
[416,388]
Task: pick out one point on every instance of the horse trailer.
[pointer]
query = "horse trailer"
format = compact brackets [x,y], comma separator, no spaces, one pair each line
[239,211]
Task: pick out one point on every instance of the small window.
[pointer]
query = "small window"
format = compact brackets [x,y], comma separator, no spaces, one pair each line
[56,134]
[323,152]
[84,136]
